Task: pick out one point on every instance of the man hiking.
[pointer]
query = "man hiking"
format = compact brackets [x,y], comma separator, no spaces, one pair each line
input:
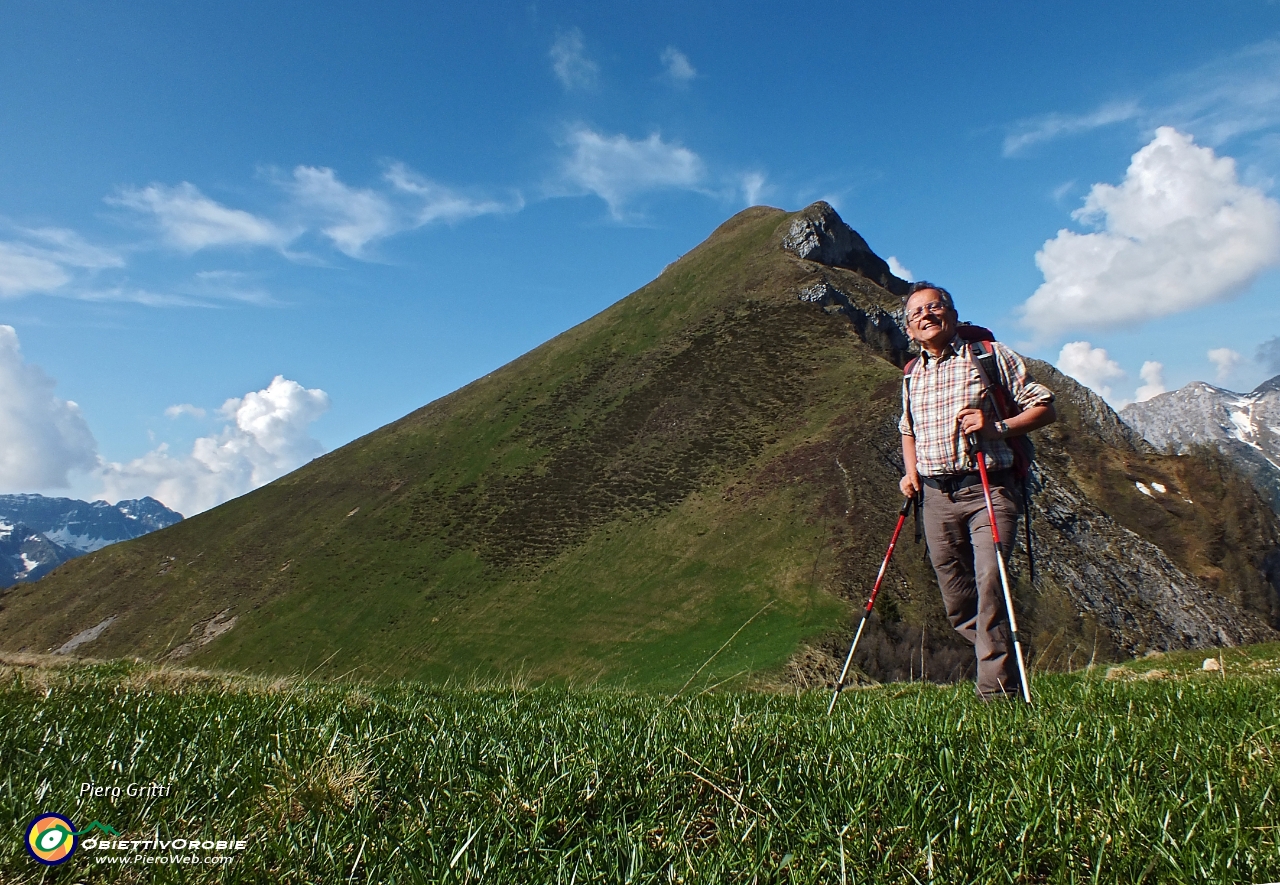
[949,420]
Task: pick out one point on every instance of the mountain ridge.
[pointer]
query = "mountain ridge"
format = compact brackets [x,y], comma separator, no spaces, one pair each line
[38,533]
[697,481]
[1244,427]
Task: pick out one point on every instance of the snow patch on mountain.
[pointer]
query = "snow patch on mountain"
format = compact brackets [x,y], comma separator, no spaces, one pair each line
[1243,426]
[37,534]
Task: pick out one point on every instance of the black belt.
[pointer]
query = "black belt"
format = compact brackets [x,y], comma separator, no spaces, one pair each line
[954,482]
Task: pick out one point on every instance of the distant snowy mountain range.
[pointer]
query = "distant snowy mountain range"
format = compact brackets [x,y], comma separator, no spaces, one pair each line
[1243,426]
[37,533]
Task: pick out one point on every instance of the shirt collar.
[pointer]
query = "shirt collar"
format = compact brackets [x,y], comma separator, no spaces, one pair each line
[952,349]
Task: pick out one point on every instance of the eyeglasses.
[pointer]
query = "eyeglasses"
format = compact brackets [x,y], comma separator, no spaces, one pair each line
[931,307]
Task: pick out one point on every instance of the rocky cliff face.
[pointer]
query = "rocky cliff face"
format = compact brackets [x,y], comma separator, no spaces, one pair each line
[819,234]
[1125,553]
[37,533]
[1243,426]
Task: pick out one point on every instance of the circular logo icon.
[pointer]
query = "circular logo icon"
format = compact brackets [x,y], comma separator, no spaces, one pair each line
[51,839]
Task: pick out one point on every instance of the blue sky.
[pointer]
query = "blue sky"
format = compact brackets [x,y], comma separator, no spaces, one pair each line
[376,203]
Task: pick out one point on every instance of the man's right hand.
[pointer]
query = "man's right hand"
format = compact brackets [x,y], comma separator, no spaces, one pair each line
[910,485]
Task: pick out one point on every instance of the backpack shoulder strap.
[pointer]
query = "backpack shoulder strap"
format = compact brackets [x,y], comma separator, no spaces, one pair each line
[984,359]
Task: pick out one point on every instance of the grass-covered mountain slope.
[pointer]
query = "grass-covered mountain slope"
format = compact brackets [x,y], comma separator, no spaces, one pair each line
[694,483]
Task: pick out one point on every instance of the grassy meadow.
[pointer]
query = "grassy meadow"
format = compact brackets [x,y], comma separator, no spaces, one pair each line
[1155,771]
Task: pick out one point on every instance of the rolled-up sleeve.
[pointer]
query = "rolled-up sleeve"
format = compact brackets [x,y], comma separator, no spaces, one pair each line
[1026,391]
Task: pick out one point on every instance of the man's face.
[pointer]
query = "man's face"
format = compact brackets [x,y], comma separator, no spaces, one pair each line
[928,320]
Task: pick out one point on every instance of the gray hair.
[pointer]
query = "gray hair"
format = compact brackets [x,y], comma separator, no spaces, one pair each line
[920,285]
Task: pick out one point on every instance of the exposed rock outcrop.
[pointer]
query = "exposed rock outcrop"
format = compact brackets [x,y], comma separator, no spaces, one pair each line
[820,234]
[876,326]
[1129,585]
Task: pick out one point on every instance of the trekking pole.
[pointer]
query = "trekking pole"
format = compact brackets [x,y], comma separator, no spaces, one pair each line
[976,451]
[902,517]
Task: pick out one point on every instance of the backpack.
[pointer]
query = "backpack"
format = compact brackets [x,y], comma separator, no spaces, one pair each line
[1004,405]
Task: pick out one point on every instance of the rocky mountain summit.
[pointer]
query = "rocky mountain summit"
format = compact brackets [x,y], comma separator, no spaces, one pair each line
[819,234]
[38,533]
[1243,426]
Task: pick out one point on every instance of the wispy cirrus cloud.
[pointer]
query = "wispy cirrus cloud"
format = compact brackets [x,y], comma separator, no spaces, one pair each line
[189,221]
[60,262]
[432,202]
[1051,126]
[49,260]
[677,68]
[618,168]
[22,273]
[1233,96]
[570,63]
[352,218]
[754,186]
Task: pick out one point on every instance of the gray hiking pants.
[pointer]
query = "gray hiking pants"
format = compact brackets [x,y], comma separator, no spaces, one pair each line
[959,536]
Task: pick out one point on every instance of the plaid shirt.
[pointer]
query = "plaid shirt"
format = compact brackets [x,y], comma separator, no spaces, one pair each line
[939,387]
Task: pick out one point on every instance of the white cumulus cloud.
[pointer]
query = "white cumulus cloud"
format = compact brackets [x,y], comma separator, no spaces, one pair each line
[570,63]
[189,221]
[266,436]
[896,268]
[617,168]
[1179,232]
[42,437]
[677,67]
[1225,360]
[1089,365]
[1152,375]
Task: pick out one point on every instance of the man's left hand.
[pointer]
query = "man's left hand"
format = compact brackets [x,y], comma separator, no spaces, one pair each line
[974,421]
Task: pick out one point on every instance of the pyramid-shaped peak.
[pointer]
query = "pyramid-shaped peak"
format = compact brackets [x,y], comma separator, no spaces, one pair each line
[818,233]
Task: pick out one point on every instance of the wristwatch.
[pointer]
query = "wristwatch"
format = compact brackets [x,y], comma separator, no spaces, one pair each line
[1002,428]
